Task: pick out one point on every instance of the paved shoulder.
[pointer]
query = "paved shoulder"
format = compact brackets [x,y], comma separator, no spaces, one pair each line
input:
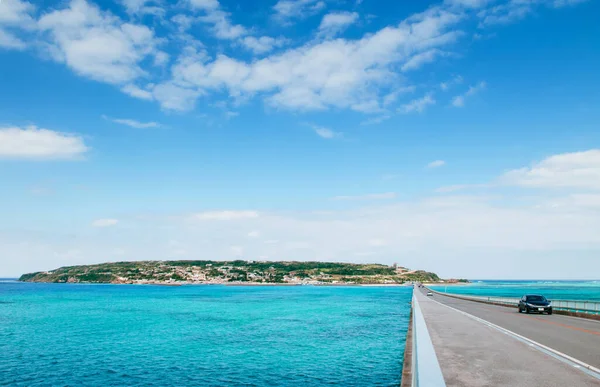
[472,354]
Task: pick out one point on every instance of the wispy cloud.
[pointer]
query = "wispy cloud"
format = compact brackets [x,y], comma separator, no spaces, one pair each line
[15,14]
[416,61]
[220,20]
[335,22]
[417,105]
[505,13]
[143,7]
[326,133]
[567,170]
[133,123]
[459,100]
[105,222]
[288,10]
[436,164]
[454,81]
[263,44]
[225,215]
[379,196]
[461,187]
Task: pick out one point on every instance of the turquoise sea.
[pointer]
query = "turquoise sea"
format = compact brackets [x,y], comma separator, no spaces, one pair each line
[557,290]
[116,335]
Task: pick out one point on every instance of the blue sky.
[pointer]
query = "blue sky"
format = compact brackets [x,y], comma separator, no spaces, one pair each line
[458,136]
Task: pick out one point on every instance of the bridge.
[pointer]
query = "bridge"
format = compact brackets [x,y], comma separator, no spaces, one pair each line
[461,342]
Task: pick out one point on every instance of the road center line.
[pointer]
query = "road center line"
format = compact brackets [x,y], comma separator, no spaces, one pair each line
[564,325]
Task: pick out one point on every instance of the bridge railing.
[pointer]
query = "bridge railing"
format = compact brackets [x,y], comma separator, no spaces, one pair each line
[426,369]
[578,306]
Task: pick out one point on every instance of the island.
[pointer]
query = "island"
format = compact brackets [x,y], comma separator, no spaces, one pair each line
[233,272]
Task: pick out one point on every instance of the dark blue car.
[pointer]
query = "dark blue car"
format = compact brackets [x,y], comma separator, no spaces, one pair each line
[534,303]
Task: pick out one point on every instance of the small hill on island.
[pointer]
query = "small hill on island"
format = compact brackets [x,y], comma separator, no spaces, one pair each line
[234,272]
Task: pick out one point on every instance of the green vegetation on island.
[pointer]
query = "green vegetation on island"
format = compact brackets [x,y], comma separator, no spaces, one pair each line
[239,272]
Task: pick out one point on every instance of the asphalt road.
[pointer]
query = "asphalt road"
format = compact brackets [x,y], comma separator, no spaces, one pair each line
[573,336]
[471,353]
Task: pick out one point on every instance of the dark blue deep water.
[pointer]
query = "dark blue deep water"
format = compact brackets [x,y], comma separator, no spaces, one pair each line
[78,335]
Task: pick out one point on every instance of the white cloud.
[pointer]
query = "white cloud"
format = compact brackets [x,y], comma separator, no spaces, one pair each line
[379,196]
[343,73]
[326,132]
[335,22]
[368,106]
[225,215]
[568,170]
[206,5]
[459,100]
[454,81]
[564,3]
[391,97]
[105,222]
[509,12]
[263,44]
[161,58]
[15,15]
[475,89]
[459,187]
[436,164]
[32,142]
[254,234]
[417,105]
[286,10]
[133,123]
[10,41]
[357,74]
[173,97]
[141,7]
[218,19]
[137,92]
[469,3]
[319,75]
[97,44]
[422,58]
[15,12]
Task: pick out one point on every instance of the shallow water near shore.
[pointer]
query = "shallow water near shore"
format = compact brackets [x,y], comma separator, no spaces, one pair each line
[61,334]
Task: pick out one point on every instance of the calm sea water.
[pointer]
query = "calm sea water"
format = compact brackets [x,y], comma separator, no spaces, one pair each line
[558,290]
[74,335]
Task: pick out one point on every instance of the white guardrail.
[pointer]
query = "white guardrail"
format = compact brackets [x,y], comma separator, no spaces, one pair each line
[426,371]
[578,306]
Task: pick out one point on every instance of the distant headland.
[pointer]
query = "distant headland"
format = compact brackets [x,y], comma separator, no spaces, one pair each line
[235,272]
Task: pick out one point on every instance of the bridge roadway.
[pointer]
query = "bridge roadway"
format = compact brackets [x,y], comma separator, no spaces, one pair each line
[472,353]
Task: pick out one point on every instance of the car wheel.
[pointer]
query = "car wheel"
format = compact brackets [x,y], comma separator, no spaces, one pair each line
[520,310]
[527,310]
[549,313]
